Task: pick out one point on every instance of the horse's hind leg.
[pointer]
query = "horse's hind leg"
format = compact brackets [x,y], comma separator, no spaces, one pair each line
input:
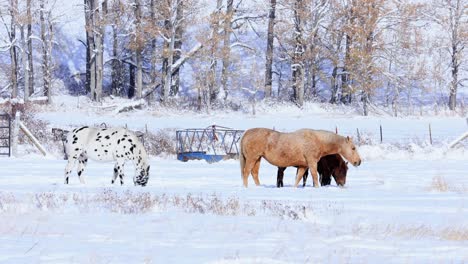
[255,170]
[116,173]
[69,168]
[280,176]
[249,164]
[82,161]
[300,173]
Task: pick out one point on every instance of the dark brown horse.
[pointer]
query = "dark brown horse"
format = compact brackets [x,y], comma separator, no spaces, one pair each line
[330,165]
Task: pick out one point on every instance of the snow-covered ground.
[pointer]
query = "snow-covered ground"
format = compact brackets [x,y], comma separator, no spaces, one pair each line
[391,211]
[407,202]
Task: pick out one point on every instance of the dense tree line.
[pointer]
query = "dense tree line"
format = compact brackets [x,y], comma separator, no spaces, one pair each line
[362,52]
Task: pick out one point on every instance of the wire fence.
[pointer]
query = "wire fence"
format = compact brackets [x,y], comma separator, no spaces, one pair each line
[381,134]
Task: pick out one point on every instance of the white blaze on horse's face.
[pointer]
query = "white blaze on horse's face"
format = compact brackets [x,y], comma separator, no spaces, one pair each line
[350,153]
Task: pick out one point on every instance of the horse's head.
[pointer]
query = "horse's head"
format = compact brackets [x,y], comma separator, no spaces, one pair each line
[339,173]
[349,152]
[142,175]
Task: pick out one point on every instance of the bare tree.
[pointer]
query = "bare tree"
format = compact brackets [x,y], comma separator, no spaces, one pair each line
[30,68]
[45,39]
[89,6]
[297,66]
[226,45]
[171,39]
[213,46]
[452,17]
[13,54]
[269,51]
[116,64]
[138,50]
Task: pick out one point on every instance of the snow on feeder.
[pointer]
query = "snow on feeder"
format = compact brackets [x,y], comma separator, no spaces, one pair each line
[213,144]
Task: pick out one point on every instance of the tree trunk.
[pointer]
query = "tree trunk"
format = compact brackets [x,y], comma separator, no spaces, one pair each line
[90,54]
[170,61]
[365,101]
[13,53]
[298,64]
[456,12]
[116,71]
[346,94]
[30,76]
[99,28]
[154,52]
[334,86]
[45,52]
[213,89]
[454,83]
[131,87]
[165,59]
[138,51]
[177,49]
[227,46]
[50,65]
[24,61]
[269,51]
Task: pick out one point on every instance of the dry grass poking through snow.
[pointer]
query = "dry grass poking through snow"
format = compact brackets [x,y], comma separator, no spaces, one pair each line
[129,202]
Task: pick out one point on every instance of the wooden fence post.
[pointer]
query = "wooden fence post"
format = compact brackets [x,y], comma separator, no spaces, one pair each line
[358,136]
[381,136]
[430,133]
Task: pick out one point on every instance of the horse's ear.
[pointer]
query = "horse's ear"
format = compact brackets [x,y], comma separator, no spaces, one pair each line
[347,138]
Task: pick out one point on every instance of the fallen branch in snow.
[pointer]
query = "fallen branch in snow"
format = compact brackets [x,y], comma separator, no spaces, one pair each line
[456,141]
[147,92]
[33,138]
[129,106]
[185,57]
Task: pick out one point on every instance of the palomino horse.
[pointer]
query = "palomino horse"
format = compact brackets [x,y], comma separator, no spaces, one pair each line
[116,144]
[302,148]
[330,165]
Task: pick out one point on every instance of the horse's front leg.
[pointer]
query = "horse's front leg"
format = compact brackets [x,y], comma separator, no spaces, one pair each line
[300,173]
[313,171]
[119,171]
[304,178]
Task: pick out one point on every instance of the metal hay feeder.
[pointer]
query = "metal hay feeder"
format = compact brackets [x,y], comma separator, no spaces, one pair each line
[213,144]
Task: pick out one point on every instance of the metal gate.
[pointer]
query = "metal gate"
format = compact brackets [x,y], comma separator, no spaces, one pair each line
[212,144]
[5,135]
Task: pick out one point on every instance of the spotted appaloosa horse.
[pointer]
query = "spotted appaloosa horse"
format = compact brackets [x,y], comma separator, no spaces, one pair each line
[101,144]
[330,165]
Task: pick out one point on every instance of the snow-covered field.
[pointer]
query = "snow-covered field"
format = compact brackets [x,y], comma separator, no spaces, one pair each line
[407,202]
[391,211]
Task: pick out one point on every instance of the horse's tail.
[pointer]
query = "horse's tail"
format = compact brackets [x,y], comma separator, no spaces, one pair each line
[241,156]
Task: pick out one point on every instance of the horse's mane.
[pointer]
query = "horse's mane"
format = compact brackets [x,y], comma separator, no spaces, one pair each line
[326,136]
